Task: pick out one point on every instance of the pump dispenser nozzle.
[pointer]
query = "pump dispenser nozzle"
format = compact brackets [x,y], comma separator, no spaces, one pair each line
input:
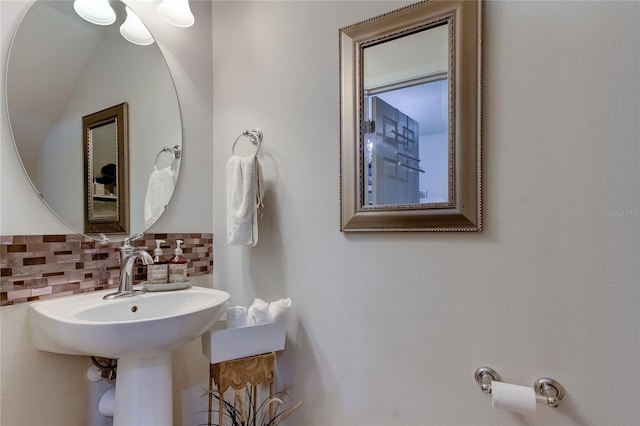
[158,249]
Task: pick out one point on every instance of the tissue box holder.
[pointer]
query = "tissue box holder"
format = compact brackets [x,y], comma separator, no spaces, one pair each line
[224,344]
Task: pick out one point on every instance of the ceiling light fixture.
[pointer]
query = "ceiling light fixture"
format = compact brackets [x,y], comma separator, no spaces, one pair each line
[176,12]
[97,12]
[135,31]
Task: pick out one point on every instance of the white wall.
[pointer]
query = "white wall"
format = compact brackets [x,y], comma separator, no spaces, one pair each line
[39,388]
[434,158]
[388,329]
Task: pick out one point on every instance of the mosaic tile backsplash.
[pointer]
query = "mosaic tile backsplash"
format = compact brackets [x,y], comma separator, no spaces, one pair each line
[36,267]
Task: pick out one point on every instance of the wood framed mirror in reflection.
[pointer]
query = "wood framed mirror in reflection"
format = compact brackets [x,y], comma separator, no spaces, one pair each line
[62,68]
[106,170]
[410,105]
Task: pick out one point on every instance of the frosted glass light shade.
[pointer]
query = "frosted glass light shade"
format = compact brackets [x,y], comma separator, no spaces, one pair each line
[176,12]
[97,12]
[134,30]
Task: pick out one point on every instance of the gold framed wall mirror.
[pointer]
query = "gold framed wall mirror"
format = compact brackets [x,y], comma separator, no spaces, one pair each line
[410,119]
[106,170]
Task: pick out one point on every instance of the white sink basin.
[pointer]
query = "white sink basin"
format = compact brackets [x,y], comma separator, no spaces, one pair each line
[133,327]
[140,331]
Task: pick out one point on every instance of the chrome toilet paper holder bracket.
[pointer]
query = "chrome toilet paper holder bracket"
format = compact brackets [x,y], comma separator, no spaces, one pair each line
[548,391]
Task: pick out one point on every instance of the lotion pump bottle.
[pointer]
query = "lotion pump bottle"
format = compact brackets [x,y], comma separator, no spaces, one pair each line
[178,265]
[158,273]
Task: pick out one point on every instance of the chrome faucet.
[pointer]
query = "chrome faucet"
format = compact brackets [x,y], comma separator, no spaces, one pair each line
[128,257]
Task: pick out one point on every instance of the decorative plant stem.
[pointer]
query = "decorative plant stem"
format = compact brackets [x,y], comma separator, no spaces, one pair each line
[241,411]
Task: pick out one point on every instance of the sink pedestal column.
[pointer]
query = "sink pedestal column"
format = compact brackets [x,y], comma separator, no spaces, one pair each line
[143,392]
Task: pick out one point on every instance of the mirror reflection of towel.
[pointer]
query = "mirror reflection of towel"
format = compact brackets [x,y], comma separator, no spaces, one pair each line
[159,192]
[244,200]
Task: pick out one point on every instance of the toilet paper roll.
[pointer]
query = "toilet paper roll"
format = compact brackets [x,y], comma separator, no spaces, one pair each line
[94,374]
[107,403]
[514,398]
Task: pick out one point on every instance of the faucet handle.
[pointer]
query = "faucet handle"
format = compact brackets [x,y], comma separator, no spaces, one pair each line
[133,237]
[127,249]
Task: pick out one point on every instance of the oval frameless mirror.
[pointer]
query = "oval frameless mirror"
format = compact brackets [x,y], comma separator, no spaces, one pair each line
[62,68]
[410,119]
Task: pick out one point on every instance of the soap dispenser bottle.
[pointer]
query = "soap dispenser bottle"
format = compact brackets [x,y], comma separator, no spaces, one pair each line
[178,265]
[158,273]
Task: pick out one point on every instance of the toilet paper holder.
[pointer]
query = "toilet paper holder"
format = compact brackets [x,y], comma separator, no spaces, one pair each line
[548,391]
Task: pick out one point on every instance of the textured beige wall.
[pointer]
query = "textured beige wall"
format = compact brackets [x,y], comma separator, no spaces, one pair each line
[390,328]
[38,388]
[48,389]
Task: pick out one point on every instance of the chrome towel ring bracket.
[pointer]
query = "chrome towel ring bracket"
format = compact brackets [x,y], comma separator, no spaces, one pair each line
[254,135]
[176,151]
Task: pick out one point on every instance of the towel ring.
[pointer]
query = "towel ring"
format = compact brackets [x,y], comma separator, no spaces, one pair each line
[255,136]
[176,151]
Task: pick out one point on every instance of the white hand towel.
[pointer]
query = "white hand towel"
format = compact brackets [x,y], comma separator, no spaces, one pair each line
[258,312]
[237,317]
[278,310]
[159,192]
[244,200]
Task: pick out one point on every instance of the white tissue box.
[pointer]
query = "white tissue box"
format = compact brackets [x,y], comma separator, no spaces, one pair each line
[223,344]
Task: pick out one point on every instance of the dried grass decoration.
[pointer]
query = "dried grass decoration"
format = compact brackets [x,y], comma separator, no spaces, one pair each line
[244,412]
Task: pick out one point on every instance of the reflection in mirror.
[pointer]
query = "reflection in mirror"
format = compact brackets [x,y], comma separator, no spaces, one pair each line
[410,119]
[106,171]
[62,68]
[406,111]
[103,189]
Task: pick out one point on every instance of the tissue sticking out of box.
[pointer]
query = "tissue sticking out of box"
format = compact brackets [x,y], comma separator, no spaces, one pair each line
[260,312]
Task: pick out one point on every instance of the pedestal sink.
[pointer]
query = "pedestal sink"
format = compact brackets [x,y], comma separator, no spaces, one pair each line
[140,331]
